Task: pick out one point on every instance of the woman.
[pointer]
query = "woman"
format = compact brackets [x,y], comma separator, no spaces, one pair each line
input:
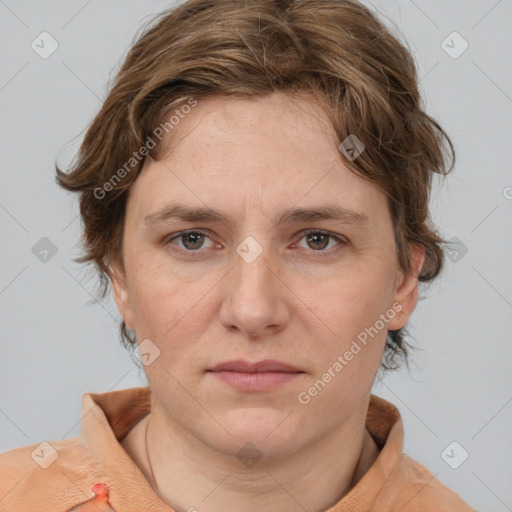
[255,190]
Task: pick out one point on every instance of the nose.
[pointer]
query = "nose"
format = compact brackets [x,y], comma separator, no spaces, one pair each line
[255,298]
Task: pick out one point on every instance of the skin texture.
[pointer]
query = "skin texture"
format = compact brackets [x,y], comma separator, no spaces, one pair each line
[252,159]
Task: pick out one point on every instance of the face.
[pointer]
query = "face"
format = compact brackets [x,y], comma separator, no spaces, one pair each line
[316,289]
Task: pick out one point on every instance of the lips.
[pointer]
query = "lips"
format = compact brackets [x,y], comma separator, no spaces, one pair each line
[268,365]
[257,377]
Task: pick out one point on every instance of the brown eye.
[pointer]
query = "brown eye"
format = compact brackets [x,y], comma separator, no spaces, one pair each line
[192,240]
[317,241]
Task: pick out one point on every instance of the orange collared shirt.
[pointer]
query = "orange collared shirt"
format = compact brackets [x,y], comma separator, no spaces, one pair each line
[93,471]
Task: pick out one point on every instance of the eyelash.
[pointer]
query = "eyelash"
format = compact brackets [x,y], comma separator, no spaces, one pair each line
[320,253]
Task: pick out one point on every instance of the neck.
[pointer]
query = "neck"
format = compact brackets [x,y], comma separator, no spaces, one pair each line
[189,475]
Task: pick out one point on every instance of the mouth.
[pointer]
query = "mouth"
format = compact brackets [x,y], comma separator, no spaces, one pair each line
[259,376]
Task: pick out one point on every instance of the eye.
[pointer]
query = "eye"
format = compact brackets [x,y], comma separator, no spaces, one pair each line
[192,241]
[319,240]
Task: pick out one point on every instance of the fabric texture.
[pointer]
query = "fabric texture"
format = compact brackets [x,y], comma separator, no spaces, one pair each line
[93,472]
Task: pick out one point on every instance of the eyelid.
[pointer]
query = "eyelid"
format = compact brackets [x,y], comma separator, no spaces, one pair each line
[340,238]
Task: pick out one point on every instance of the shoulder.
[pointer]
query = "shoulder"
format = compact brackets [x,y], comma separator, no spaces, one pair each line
[421,491]
[44,475]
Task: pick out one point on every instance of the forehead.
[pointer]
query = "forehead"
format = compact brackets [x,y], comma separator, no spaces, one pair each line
[293,125]
[266,154]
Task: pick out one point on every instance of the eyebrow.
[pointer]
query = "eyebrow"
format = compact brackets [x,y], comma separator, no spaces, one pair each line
[332,212]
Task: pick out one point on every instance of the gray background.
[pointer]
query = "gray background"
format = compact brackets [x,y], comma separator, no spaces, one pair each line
[56,346]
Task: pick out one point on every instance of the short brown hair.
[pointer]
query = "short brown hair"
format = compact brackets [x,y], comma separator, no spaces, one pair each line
[335,50]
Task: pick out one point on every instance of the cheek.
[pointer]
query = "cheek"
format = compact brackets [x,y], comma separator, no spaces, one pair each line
[159,306]
[355,311]
[353,300]
[168,309]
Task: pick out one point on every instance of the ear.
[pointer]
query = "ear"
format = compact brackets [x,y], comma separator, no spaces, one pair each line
[121,294]
[406,293]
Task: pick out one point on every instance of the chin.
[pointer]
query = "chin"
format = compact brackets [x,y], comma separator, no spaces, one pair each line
[260,439]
